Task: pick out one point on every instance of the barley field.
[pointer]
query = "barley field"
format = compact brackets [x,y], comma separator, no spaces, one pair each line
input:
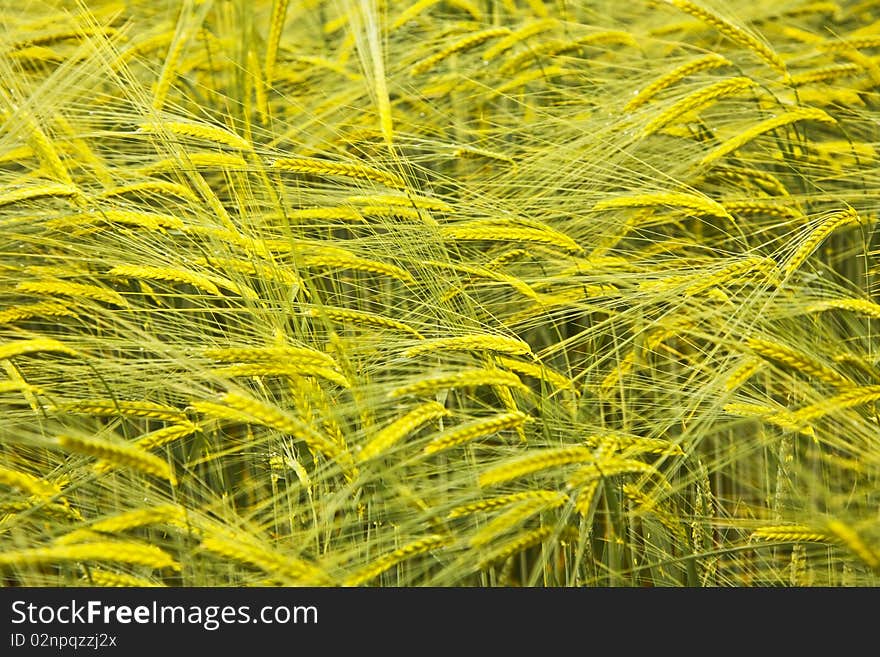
[470,293]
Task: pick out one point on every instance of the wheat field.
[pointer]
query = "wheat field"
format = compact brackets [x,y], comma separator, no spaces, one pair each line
[449,293]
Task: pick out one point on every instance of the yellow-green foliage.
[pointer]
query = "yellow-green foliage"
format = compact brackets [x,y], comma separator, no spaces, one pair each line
[469,293]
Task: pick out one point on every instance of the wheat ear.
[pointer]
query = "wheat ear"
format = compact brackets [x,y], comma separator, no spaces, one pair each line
[704,63]
[535,461]
[391,559]
[693,202]
[466,43]
[390,435]
[276,26]
[476,429]
[831,223]
[697,100]
[34,346]
[319,167]
[106,578]
[734,33]
[773,123]
[270,562]
[476,342]
[515,516]
[120,454]
[463,379]
[102,551]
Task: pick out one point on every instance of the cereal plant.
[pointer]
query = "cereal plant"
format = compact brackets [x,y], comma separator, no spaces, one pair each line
[439,293]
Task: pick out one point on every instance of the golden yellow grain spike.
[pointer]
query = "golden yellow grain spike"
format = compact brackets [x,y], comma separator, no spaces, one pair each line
[148,220]
[257,80]
[471,152]
[479,272]
[782,418]
[860,306]
[849,538]
[632,445]
[287,567]
[198,281]
[739,271]
[391,559]
[515,516]
[66,288]
[759,207]
[476,342]
[164,514]
[510,231]
[320,167]
[17,195]
[132,553]
[790,534]
[359,264]
[528,30]
[857,396]
[397,212]
[267,368]
[832,222]
[700,204]
[535,461]
[20,386]
[468,7]
[124,455]
[466,43]
[586,495]
[476,429]
[767,125]
[187,25]
[743,372]
[653,340]
[44,149]
[515,545]
[645,504]
[368,29]
[153,188]
[106,578]
[499,501]
[30,484]
[198,130]
[412,12]
[463,379]
[35,345]
[734,33]
[263,269]
[283,354]
[704,63]
[403,426]
[607,467]
[541,372]
[126,408]
[165,435]
[697,100]
[857,43]
[826,73]
[16,154]
[245,409]
[363,318]
[762,181]
[801,362]
[276,27]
